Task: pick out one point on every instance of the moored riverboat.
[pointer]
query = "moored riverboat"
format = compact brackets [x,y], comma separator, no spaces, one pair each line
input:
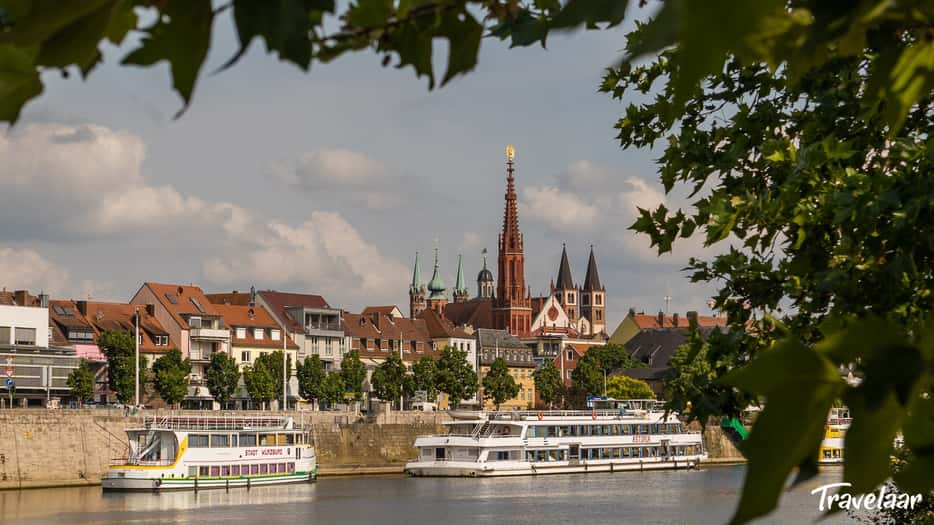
[199,452]
[831,447]
[635,436]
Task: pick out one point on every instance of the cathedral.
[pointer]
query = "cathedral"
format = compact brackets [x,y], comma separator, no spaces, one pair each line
[506,303]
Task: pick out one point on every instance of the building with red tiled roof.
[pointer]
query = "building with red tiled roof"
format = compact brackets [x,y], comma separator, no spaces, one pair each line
[307,319]
[193,323]
[390,310]
[637,322]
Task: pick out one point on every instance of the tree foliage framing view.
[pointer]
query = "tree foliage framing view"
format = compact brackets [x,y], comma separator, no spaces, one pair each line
[801,126]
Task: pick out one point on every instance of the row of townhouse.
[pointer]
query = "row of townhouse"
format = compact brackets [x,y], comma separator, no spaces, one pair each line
[244,325]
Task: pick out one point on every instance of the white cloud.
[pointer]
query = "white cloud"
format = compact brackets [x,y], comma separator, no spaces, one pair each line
[324,253]
[563,211]
[27,269]
[63,181]
[365,181]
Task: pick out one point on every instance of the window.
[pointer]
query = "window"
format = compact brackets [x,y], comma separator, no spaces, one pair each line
[25,336]
[329,346]
[241,333]
[220,441]
[379,344]
[599,315]
[281,468]
[585,299]
[203,472]
[171,298]
[275,334]
[267,440]
[194,322]
[245,356]
[570,297]
[197,304]
[235,470]
[363,343]
[570,355]
[254,469]
[264,469]
[225,470]
[258,333]
[598,299]
[197,441]
[247,440]
[4,335]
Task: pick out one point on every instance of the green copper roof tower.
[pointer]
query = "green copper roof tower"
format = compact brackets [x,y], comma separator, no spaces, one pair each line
[436,284]
[416,276]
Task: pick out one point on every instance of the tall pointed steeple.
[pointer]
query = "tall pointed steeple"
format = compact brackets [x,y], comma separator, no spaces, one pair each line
[593,298]
[592,279]
[460,285]
[513,307]
[564,281]
[416,291]
[416,276]
[564,290]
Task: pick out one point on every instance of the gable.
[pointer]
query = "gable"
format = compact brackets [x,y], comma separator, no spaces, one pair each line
[551,315]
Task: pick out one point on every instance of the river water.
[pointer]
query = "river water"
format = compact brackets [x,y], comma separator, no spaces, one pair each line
[671,497]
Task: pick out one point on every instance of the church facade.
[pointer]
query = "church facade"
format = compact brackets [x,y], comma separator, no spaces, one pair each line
[505,302]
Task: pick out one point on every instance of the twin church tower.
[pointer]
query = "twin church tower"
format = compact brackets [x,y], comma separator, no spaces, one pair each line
[510,305]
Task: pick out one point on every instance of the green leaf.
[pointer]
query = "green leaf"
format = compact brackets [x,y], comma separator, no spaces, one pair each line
[45,18]
[19,80]
[463,33]
[868,442]
[181,37]
[590,12]
[800,386]
[919,425]
[78,42]
[285,25]
[369,13]
[122,20]
[915,477]
[910,79]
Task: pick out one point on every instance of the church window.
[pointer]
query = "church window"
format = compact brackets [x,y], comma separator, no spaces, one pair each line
[598,299]
[585,299]
[570,297]
[599,315]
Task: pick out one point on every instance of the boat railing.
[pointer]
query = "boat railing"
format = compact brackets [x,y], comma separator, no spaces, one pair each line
[522,415]
[219,423]
[144,463]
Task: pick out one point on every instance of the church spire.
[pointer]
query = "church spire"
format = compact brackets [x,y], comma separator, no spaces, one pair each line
[416,276]
[564,281]
[436,284]
[460,285]
[592,280]
[513,306]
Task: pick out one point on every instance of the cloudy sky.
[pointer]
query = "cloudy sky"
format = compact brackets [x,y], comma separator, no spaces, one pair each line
[328,182]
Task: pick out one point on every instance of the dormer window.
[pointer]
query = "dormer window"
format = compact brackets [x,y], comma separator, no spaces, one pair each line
[194,322]
[258,334]
[241,333]
[275,334]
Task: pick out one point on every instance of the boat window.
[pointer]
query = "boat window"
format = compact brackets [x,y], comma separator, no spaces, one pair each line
[192,472]
[233,440]
[215,471]
[225,470]
[198,441]
[264,469]
[291,467]
[281,468]
[202,472]
[235,470]
[280,439]
[290,439]
[247,440]
[254,469]
[267,440]
[220,441]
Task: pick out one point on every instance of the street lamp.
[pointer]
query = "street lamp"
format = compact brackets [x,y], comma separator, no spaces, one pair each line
[136,339]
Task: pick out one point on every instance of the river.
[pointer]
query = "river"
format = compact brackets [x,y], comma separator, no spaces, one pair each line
[705,496]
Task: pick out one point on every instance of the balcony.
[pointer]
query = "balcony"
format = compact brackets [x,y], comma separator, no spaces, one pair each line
[199,356]
[323,326]
[209,333]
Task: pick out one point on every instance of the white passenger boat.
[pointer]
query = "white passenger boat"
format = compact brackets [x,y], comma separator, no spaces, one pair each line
[192,453]
[831,447]
[635,436]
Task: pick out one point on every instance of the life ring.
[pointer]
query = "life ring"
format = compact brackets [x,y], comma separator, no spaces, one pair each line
[593,414]
[541,415]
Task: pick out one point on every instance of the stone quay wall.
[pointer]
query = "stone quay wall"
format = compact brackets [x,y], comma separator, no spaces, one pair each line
[46,448]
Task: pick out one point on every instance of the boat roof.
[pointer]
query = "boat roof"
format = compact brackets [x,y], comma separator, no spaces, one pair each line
[243,423]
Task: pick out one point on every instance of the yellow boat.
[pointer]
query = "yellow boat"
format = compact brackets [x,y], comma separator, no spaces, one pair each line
[831,448]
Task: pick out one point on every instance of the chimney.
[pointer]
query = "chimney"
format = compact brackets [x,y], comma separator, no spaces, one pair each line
[43,300]
[82,307]
[632,312]
[252,296]
[151,309]
[674,319]
[661,319]
[20,297]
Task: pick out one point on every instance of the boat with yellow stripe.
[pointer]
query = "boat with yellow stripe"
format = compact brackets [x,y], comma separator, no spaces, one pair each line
[831,447]
[201,452]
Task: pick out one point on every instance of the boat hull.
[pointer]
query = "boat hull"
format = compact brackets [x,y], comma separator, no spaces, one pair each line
[114,483]
[477,470]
